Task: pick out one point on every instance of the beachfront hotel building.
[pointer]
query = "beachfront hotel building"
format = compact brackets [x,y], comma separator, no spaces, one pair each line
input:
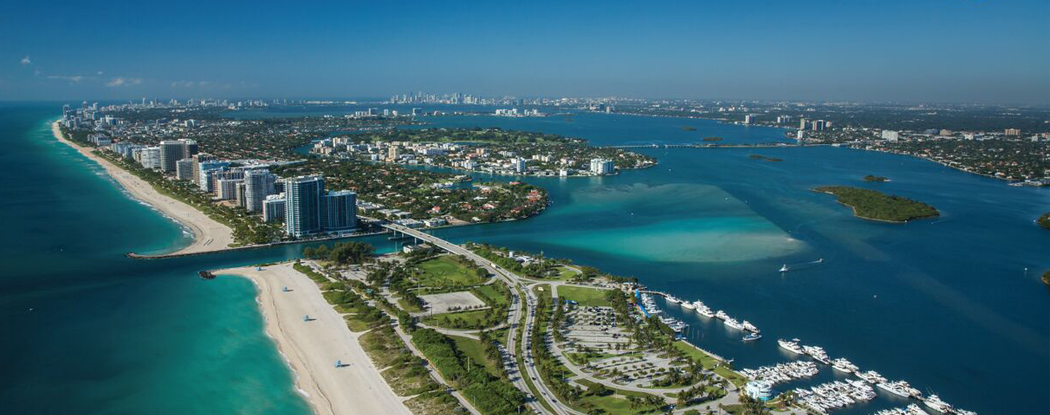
[274,208]
[149,157]
[602,167]
[340,210]
[171,151]
[308,209]
[303,205]
[258,183]
[184,169]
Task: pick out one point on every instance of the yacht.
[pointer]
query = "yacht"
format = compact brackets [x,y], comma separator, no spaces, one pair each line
[672,299]
[843,365]
[749,327]
[914,409]
[703,310]
[935,403]
[871,377]
[964,412]
[900,388]
[721,315]
[817,353]
[689,306]
[791,346]
[750,337]
[732,323]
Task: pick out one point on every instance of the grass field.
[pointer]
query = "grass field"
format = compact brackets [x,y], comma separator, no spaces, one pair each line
[583,295]
[476,351]
[710,363]
[409,307]
[469,319]
[492,293]
[616,403]
[565,273]
[446,271]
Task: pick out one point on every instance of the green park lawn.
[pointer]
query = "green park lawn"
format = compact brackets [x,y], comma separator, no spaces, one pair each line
[476,351]
[446,271]
[585,296]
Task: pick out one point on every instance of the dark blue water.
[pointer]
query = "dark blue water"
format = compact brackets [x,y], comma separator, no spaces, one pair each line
[945,303]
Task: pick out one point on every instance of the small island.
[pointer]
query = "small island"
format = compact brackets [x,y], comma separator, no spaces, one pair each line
[878,179]
[766,158]
[1044,220]
[1046,278]
[875,205]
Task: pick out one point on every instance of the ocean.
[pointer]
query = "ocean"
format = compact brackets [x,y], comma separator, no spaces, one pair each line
[946,304]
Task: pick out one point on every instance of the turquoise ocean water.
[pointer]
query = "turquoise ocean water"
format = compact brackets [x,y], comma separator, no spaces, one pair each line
[945,304]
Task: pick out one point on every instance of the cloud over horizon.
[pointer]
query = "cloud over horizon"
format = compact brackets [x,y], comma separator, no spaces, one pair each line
[119,81]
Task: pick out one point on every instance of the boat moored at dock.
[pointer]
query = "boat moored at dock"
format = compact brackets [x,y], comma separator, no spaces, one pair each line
[817,353]
[749,327]
[871,377]
[791,346]
[843,365]
[733,323]
[900,388]
[934,402]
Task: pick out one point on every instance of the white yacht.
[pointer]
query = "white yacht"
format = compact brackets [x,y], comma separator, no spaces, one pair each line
[721,315]
[732,323]
[935,403]
[749,327]
[871,377]
[914,409]
[791,346]
[900,388]
[688,306]
[703,310]
[817,353]
[843,365]
[672,299]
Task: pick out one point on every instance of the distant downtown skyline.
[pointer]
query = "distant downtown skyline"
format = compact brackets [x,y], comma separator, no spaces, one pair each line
[933,51]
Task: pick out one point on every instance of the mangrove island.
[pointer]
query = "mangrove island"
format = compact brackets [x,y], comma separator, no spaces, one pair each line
[875,205]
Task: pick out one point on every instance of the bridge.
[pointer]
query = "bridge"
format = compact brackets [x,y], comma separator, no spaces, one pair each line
[705,145]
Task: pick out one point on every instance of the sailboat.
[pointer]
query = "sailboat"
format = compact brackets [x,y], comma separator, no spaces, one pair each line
[784,268]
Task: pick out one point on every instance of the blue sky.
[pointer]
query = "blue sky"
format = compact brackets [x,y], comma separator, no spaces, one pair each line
[889,50]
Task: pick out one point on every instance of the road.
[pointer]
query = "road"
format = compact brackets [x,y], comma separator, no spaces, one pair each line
[517,306]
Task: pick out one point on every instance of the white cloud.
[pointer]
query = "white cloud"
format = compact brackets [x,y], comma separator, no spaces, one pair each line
[124,82]
[26,61]
[70,78]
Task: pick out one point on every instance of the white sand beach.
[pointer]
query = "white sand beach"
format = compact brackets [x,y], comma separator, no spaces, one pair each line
[208,234]
[313,347]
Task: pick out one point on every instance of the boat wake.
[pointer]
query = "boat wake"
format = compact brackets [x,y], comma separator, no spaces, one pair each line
[800,266]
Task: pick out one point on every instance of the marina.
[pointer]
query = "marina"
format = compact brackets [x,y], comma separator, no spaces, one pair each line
[834,395]
[912,409]
[783,372]
[822,398]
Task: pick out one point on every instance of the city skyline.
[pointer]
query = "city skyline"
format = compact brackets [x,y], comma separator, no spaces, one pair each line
[951,52]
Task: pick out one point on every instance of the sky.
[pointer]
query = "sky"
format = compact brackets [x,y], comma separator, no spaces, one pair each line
[960,51]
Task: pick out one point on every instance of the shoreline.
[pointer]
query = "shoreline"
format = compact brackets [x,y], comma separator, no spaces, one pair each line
[310,348]
[208,234]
